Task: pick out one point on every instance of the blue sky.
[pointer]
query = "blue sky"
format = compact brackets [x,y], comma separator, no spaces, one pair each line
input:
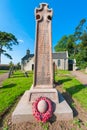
[17,17]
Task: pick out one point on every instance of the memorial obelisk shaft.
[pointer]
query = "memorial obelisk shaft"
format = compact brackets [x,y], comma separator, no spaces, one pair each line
[43,76]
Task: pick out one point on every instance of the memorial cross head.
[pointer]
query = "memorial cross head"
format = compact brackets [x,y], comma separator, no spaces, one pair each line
[43,13]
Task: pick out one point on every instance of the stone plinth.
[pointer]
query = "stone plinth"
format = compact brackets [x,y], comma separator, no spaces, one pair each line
[49,93]
[23,111]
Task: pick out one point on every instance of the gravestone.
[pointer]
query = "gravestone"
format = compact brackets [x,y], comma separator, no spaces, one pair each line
[86,70]
[43,73]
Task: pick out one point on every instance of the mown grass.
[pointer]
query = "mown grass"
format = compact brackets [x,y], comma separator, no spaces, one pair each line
[3,71]
[13,88]
[18,84]
[72,86]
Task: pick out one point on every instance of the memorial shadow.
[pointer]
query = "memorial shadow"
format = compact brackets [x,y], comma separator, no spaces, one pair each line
[69,93]
[59,82]
[8,86]
[71,103]
[52,119]
[68,96]
[75,89]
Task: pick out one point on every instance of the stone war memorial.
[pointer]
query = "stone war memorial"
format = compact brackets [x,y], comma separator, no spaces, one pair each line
[42,101]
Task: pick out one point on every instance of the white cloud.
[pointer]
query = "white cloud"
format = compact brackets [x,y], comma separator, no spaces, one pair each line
[20,40]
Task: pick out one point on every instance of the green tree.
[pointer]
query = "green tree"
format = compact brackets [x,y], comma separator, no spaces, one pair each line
[66,43]
[71,46]
[61,44]
[11,64]
[75,44]
[18,66]
[81,39]
[80,29]
[7,40]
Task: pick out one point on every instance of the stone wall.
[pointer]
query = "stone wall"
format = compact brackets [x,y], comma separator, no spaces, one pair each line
[63,64]
[28,65]
[4,67]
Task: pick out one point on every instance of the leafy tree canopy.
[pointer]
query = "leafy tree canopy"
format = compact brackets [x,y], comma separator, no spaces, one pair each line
[75,44]
[7,40]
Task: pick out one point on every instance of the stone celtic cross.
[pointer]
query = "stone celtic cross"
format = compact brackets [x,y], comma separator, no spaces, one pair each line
[43,76]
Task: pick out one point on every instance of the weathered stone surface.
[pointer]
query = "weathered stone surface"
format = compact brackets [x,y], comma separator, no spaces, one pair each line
[42,106]
[23,111]
[51,93]
[43,75]
[43,53]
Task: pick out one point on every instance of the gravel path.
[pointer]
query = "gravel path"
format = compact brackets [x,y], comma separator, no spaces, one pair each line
[3,77]
[82,77]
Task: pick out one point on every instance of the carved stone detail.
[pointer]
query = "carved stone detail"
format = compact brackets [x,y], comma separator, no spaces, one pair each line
[43,55]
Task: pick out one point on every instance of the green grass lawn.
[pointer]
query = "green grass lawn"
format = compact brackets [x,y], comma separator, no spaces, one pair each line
[16,85]
[72,86]
[13,88]
[3,71]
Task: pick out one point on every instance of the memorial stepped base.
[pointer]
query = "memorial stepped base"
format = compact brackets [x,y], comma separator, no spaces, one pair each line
[23,111]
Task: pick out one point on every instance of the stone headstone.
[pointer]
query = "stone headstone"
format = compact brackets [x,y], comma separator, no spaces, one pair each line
[86,70]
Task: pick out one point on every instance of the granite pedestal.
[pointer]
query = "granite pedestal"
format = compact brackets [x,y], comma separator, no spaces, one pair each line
[23,111]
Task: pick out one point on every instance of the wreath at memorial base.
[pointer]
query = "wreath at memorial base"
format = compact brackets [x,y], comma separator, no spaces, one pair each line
[43,117]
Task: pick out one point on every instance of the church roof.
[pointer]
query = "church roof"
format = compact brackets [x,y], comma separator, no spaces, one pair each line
[26,57]
[60,55]
[57,55]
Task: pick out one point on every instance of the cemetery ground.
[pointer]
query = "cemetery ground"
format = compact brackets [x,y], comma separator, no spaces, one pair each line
[3,71]
[73,91]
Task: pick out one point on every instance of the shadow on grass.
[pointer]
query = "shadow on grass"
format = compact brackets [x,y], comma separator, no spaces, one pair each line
[21,76]
[75,89]
[69,93]
[8,86]
[68,96]
[59,82]
[70,101]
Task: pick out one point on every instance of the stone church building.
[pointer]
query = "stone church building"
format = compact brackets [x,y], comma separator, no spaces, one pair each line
[60,59]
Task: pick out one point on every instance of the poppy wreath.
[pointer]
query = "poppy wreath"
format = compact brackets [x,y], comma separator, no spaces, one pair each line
[43,117]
